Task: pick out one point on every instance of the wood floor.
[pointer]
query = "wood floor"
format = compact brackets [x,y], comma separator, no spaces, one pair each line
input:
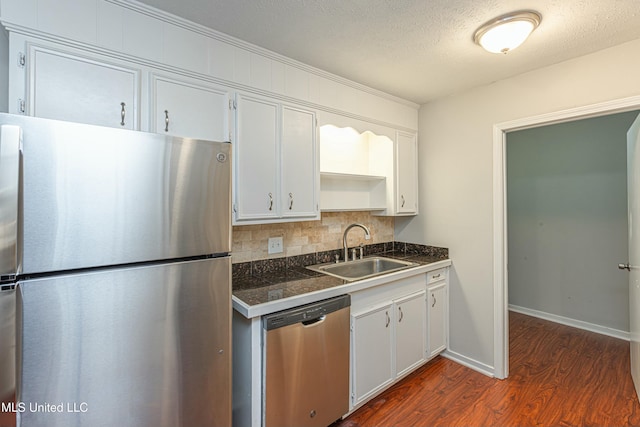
[559,376]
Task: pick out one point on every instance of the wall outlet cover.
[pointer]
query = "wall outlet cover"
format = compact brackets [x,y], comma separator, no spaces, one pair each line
[275,245]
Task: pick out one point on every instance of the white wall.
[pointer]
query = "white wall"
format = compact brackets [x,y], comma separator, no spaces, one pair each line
[567,219]
[148,36]
[456,137]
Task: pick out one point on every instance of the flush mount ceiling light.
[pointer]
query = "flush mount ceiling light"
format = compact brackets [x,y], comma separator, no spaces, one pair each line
[506,32]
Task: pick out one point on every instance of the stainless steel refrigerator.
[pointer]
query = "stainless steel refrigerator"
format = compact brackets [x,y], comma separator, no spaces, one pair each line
[115,267]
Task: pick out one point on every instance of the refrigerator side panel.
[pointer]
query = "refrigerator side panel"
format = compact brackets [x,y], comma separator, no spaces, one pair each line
[145,346]
[95,196]
[9,202]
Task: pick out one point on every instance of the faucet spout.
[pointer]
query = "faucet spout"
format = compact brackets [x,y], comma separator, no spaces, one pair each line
[367,235]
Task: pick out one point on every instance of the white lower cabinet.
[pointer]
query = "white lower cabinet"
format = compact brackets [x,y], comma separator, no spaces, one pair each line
[438,314]
[410,328]
[388,335]
[372,351]
[395,328]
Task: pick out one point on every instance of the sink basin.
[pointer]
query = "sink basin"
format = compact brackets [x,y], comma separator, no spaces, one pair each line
[362,268]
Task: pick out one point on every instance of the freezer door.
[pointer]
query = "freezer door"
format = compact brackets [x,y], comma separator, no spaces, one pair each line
[97,196]
[146,346]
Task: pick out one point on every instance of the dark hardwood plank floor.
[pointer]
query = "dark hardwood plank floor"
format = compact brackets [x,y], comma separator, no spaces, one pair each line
[559,376]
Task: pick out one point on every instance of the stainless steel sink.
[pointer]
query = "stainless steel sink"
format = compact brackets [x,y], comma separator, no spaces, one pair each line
[362,268]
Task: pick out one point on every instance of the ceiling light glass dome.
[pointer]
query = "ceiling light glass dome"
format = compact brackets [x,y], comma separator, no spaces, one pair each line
[506,32]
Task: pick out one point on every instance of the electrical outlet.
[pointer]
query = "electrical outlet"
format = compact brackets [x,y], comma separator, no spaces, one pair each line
[275,245]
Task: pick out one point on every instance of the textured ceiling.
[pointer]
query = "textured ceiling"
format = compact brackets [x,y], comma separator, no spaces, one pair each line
[415,49]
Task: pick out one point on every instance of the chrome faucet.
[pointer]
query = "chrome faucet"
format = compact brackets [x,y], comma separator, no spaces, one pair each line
[345,250]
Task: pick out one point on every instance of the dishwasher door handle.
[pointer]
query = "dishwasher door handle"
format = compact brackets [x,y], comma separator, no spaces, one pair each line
[315,321]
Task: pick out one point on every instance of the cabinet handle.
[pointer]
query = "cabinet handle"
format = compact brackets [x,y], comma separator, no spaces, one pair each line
[433,296]
[270,201]
[388,319]
[436,276]
[166,120]
[402,196]
[122,113]
[290,201]
[401,314]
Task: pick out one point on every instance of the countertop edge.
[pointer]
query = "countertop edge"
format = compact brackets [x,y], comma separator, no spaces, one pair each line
[273,306]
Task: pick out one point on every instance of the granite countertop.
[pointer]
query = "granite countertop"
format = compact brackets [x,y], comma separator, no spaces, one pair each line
[258,284]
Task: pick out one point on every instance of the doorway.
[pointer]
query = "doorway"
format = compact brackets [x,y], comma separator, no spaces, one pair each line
[500,247]
[567,222]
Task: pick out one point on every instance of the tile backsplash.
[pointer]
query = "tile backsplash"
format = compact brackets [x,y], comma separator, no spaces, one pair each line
[250,241]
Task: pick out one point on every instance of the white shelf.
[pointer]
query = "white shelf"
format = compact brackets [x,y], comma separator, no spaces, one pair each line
[352,192]
[351,176]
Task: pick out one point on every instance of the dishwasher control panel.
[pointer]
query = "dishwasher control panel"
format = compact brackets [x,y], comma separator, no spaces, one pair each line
[305,314]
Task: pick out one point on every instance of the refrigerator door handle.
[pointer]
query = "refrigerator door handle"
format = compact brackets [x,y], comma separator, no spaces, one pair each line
[10,145]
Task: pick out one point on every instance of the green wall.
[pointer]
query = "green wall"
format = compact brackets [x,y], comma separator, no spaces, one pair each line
[567,219]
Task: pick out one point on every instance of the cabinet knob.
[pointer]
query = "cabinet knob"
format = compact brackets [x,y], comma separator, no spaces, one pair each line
[122,113]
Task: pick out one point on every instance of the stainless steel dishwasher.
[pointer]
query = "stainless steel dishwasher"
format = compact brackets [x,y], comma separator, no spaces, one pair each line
[306,360]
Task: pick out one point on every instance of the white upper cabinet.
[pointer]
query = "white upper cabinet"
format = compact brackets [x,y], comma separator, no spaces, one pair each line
[406,174]
[75,88]
[276,174]
[375,169]
[190,110]
[256,150]
[299,155]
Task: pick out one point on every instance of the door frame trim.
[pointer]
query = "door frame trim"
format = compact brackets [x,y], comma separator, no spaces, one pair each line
[500,285]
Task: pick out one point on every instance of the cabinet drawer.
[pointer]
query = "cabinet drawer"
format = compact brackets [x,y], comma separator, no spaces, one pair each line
[436,275]
[365,299]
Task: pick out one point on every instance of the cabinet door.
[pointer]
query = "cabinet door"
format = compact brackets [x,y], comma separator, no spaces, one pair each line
[437,309]
[406,173]
[190,110]
[411,328]
[299,163]
[372,349]
[78,89]
[256,154]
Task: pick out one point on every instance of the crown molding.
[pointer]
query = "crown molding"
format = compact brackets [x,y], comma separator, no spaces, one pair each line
[225,38]
[152,65]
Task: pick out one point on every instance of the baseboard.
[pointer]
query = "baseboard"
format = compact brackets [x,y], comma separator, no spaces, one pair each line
[592,327]
[469,363]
